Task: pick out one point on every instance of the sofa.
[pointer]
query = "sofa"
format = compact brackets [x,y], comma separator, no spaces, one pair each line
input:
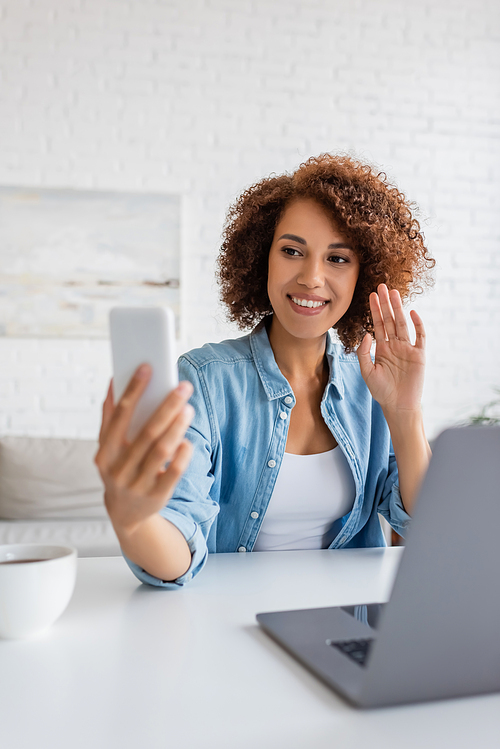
[51,493]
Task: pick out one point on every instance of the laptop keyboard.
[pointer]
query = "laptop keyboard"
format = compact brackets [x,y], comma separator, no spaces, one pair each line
[357,650]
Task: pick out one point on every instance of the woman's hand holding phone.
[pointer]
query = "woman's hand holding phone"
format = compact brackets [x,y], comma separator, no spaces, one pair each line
[137,483]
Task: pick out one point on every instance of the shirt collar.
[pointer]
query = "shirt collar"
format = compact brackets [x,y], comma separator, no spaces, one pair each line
[273,381]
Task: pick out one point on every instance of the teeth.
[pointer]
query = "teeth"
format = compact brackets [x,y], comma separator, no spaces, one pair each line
[307,303]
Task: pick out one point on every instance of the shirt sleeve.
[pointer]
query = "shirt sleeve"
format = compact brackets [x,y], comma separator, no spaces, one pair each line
[391,507]
[191,508]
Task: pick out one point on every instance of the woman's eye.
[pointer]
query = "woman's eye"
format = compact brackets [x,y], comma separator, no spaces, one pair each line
[291,251]
[338,259]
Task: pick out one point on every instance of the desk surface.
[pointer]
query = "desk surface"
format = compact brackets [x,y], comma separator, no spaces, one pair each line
[129,666]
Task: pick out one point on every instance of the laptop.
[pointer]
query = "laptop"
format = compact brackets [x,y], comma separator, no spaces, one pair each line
[438,637]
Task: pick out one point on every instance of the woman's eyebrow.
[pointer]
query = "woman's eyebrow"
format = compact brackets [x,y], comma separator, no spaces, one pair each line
[293,237]
[300,240]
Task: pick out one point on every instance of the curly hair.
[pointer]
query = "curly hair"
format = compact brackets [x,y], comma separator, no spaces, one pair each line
[374,215]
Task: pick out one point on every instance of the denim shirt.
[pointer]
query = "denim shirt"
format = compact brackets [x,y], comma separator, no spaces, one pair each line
[242,406]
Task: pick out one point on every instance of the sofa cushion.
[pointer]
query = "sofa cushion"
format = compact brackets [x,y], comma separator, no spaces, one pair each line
[90,537]
[48,478]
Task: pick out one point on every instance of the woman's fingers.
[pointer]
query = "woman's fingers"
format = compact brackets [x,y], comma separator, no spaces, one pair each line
[118,420]
[147,503]
[399,316]
[131,460]
[162,452]
[166,482]
[378,323]
[130,464]
[419,329]
[162,418]
[387,311]
[389,320]
[364,357]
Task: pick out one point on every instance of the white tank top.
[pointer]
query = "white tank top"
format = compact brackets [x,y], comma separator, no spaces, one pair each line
[311,491]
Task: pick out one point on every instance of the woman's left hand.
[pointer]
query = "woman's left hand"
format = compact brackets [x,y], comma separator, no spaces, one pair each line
[396,378]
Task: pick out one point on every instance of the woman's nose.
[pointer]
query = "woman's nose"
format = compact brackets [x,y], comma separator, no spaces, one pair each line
[311,274]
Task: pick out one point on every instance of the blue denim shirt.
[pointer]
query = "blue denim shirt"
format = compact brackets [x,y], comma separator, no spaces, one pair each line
[242,405]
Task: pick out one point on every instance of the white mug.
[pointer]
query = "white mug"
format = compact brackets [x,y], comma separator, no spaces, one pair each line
[36,585]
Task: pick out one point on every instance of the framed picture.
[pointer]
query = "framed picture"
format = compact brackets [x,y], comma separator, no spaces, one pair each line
[68,256]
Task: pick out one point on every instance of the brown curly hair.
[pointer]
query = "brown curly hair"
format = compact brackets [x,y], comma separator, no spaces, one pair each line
[374,215]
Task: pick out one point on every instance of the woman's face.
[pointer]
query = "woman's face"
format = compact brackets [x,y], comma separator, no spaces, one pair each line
[312,270]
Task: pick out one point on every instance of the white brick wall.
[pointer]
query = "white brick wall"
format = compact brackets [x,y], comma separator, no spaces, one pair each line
[204,97]
[53,388]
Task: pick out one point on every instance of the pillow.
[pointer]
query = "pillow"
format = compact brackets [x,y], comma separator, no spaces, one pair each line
[46,478]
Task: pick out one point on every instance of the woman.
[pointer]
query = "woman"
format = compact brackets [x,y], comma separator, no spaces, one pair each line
[298,442]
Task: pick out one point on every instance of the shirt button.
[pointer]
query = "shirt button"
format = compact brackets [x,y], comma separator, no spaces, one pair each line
[288,400]
[254,515]
[241,548]
[271,463]
[283,415]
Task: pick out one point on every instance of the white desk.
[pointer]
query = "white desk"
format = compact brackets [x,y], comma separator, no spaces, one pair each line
[128,666]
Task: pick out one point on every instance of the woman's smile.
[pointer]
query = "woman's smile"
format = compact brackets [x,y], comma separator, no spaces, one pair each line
[307,305]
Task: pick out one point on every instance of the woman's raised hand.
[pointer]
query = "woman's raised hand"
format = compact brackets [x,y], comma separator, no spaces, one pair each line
[396,377]
[137,484]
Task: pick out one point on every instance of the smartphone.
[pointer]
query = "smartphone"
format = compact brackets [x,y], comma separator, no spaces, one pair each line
[143,335]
